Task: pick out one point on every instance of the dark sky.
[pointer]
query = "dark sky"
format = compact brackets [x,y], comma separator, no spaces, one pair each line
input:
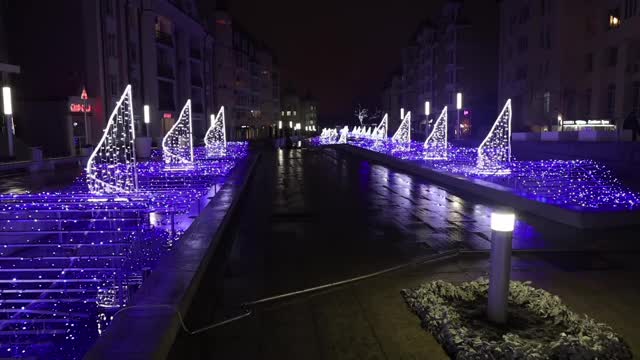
[341,51]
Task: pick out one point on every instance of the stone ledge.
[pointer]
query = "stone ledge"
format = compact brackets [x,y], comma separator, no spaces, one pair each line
[502,195]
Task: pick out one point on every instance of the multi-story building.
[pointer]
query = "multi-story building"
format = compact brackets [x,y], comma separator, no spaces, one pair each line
[309,113]
[569,59]
[248,81]
[158,46]
[455,52]
[290,110]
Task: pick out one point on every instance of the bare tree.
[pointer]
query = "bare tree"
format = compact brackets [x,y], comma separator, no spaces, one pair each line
[361,113]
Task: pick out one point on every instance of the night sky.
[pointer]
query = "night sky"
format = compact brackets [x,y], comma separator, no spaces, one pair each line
[340,51]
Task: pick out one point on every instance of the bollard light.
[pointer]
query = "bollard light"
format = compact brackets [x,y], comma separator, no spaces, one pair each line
[502,224]
[147,119]
[427,108]
[502,221]
[6,100]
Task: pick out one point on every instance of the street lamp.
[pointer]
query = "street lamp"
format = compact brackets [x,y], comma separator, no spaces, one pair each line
[8,118]
[502,224]
[401,114]
[458,107]
[147,119]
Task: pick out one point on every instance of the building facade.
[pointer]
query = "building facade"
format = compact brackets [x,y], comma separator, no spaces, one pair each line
[248,81]
[569,59]
[73,74]
[454,52]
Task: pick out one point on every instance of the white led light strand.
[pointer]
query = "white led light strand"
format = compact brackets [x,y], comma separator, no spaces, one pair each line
[495,151]
[215,140]
[111,168]
[403,134]
[383,128]
[436,144]
[177,145]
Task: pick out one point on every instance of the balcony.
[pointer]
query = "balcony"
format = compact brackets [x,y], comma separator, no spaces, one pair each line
[195,53]
[164,38]
[165,71]
[196,108]
[196,81]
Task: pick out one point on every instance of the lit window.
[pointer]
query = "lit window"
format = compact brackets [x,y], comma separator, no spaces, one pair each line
[282,112]
[294,113]
[614,18]
[547,101]
[288,113]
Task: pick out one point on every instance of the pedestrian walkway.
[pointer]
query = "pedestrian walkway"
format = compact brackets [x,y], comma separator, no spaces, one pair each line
[314,217]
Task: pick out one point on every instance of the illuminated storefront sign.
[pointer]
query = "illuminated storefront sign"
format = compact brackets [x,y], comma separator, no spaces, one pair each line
[79,108]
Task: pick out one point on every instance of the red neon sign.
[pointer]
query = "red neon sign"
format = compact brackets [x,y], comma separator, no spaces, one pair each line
[80,108]
[167,116]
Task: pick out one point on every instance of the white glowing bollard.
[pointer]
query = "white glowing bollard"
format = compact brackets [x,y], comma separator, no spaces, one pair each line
[502,224]
[7,108]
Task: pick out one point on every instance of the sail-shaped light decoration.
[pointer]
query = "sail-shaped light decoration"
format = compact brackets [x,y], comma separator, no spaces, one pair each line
[403,134]
[215,140]
[343,135]
[111,168]
[436,144]
[334,136]
[494,153]
[177,145]
[367,133]
[383,128]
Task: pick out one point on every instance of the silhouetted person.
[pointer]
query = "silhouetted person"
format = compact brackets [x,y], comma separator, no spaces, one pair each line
[631,123]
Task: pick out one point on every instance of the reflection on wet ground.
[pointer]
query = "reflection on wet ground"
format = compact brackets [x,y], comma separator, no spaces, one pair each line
[20,182]
[315,216]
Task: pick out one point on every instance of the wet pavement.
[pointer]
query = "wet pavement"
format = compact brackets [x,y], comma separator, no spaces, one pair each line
[314,216]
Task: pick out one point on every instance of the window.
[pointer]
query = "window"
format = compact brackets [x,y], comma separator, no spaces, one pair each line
[111,45]
[523,44]
[282,113]
[635,93]
[614,18]
[112,83]
[612,56]
[630,8]
[108,7]
[288,113]
[587,103]
[589,62]
[524,15]
[294,113]
[546,103]
[611,99]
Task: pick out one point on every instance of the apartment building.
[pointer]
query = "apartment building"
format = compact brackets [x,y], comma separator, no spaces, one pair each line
[248,84]
[453,52]
[83,53]
[569,59]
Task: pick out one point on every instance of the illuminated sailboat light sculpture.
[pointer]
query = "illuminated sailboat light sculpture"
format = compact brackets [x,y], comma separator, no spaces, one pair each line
[177,145]
[383,128]
[215,140]
[111,168]
[402,138]
[343,135]
[436,144]
[494,153]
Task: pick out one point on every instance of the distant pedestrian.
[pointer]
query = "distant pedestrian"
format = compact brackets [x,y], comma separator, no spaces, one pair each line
[631,122]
